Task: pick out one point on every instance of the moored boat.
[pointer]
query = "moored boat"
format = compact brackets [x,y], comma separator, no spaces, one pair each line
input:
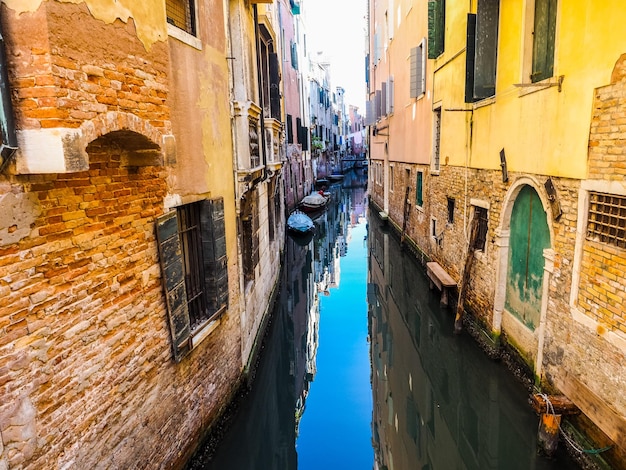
[314,202]
[300,223]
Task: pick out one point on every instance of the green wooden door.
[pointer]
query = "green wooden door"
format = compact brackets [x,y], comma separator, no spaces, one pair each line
[530,235]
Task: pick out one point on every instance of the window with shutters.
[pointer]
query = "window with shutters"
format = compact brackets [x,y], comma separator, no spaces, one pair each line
[482,51]
[182,14]
[436,27]
[419,189]
[543,37]
[418,70]
[192,252]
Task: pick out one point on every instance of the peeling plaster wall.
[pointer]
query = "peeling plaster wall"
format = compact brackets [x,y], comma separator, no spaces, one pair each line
[148,15]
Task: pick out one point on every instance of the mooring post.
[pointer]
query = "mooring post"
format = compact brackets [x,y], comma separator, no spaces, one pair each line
[548,434]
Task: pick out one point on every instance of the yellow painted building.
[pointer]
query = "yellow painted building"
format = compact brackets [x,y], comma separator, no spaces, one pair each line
[520,133]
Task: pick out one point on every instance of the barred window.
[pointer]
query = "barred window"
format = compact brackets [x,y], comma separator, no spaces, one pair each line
[182,14]
[607,219]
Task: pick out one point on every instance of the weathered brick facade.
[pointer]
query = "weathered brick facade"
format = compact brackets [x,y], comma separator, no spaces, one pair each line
[87,376]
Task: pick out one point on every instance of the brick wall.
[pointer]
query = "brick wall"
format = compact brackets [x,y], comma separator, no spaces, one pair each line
[63,75]
[87,378]
[87,374]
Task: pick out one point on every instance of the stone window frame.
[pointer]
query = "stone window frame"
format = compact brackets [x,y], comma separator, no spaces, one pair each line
[484,205]
[191,39]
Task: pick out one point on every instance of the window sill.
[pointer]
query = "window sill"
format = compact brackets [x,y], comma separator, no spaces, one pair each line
[201,333]
[184,36]
[485,102]
[527,88]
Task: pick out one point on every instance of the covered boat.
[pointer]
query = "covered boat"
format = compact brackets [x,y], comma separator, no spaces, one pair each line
[315,201]
[300,223]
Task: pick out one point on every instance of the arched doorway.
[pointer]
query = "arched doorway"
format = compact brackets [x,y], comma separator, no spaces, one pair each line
[529,237]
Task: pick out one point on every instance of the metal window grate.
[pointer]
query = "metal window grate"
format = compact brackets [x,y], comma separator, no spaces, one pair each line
[181,13]
[607,219]
[191,240]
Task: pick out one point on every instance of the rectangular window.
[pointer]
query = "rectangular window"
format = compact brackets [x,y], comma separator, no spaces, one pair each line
[607,219]
[192,253]
[480,214]
[544,34]
[436,138]
[182,14]
[418,71]
[436,27]
[391,177]
[419,196]
[450,210]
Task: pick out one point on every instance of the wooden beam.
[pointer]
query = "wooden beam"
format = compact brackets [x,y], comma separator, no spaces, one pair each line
[561,405]
[611,423]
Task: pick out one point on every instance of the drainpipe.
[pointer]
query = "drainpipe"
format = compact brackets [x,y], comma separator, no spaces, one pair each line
[7,123]
[260,85]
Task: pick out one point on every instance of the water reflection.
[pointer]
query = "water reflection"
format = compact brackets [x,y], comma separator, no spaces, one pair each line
[261,432]
[439,401]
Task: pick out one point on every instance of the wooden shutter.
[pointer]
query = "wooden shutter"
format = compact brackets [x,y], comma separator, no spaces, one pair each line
[170,254]
[470,51]
[543,40]
[436,28]
[383,98]
[274,86]
[303,131]
[378,100]
[289,129]
[417,72]
[213,232]
[486,48]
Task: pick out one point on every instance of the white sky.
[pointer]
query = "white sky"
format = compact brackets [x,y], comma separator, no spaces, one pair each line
[337,27]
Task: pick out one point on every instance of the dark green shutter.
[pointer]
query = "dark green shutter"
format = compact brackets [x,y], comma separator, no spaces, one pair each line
[436,28]
[170,254]
[213,232]
[543,39]
[470,51]
[486,48]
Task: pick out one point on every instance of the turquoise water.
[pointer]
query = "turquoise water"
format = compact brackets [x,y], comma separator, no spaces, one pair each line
[335,431]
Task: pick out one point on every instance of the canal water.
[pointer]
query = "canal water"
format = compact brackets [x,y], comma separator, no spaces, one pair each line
[360,368]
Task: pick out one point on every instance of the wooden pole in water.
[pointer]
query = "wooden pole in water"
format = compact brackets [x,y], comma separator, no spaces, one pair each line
[469,259]
[548,434]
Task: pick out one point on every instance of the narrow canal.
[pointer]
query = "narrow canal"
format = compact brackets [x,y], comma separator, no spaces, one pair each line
[360,368]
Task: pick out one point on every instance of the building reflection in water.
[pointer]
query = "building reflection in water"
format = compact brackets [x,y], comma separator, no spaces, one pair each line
[439,402]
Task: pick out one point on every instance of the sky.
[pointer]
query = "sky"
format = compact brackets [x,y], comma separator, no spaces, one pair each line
[337,28]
